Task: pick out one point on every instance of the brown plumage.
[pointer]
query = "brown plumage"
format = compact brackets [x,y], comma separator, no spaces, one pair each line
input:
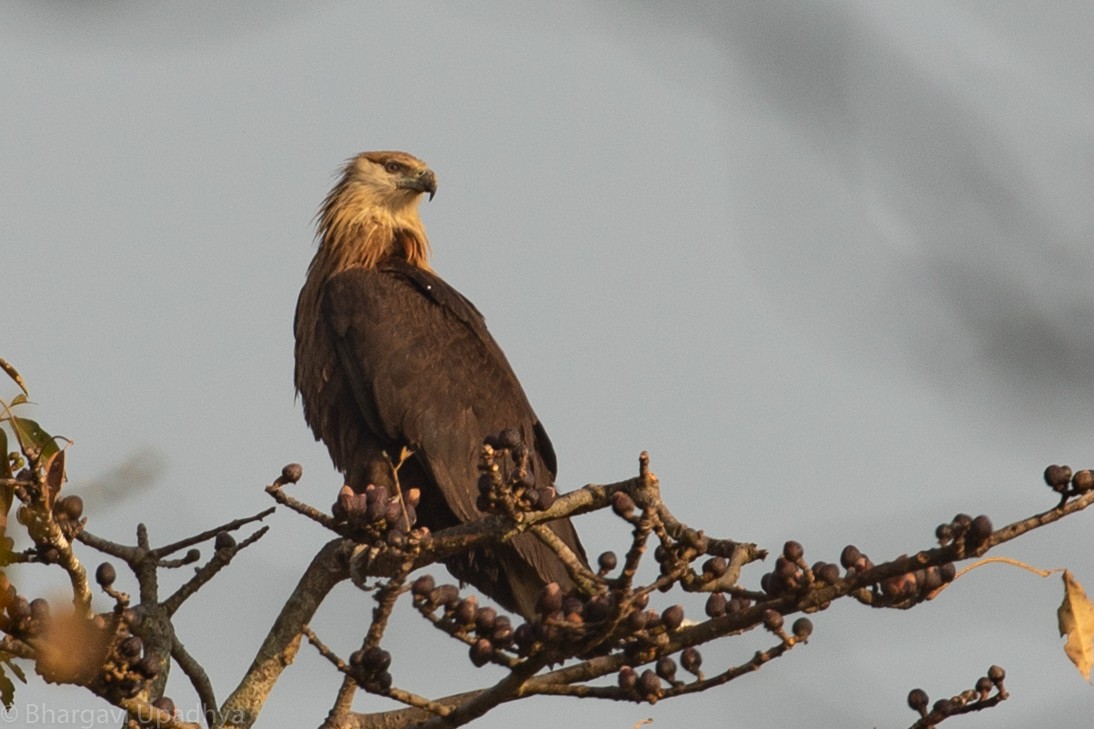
[389,356]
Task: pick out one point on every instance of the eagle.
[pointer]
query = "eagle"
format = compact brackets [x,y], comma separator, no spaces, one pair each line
[391,360]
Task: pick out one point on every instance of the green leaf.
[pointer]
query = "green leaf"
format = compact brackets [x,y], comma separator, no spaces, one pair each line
[16,670]
[14,374]
[7,690]
[29,433]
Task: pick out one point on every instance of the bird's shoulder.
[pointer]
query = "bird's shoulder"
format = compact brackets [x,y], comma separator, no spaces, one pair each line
[397,283]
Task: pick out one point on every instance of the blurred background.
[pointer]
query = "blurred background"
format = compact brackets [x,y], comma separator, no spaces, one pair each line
[828,262]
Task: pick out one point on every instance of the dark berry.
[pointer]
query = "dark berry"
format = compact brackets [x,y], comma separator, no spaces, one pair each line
[164,703]
[19,608]
[598,608]
[106,574]
[850,556]
[149,666]
[691,660]
[39,609]
[826,572]
[918,700]
[607,561]
[292,473]
[673,617]
[550,599]
[1057,477]
[666,668]
[947,572]
[502,633]
[545,498]
[944,533]
[224,540]
[446,595]
[715,567]
[466,610]
[716,605]
[484,619]
[802,628]
[393,512]
[773,620]
[375,659]
[979,530]
[1083,481]
[422,586]
[71,506]
[649,686]
[524,637]
[573,604]
[131,647]
[622,504]
[481,651]
[509,438]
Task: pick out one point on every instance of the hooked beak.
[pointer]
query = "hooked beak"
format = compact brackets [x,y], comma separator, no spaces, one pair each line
[423,181]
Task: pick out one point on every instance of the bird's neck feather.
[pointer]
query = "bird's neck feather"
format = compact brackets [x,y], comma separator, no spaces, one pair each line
[358,230]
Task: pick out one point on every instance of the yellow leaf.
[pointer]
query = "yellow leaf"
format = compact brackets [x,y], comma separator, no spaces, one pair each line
[1076,616]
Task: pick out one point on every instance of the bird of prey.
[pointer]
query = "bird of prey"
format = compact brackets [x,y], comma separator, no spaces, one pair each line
[390,359]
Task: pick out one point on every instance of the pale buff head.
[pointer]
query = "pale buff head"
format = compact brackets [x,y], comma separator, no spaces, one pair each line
[372,212]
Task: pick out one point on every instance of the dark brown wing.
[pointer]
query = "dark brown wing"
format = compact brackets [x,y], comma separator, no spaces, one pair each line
[427,375]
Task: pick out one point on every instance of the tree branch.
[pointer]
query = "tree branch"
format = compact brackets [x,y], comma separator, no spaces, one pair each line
[327,569]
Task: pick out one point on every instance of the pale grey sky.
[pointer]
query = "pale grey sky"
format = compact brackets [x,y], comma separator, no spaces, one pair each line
[829,263]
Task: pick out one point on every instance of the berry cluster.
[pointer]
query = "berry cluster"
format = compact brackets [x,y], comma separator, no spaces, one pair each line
[127,667]
[67,514]
[508,480]
[21,618]
[378,514]
[967,532]
[1061,480]
[966,701]
[791,576]
[368,666]
[564,625]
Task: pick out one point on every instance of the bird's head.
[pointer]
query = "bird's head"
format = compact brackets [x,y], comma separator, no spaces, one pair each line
[373,210]
[394,179]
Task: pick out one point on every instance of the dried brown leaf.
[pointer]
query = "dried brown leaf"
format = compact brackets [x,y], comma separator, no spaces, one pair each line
[55,477]
[1076,616]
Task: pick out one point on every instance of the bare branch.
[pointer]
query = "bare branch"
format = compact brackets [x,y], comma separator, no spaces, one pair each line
[161,552]
[327,569]
[198,679]
[220,559]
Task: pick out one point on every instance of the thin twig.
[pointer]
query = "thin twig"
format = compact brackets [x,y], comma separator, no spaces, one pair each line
[161,552]
[220,559]
[198,679]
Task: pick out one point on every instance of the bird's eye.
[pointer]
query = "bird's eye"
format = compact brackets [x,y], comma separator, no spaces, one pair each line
[393,167]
